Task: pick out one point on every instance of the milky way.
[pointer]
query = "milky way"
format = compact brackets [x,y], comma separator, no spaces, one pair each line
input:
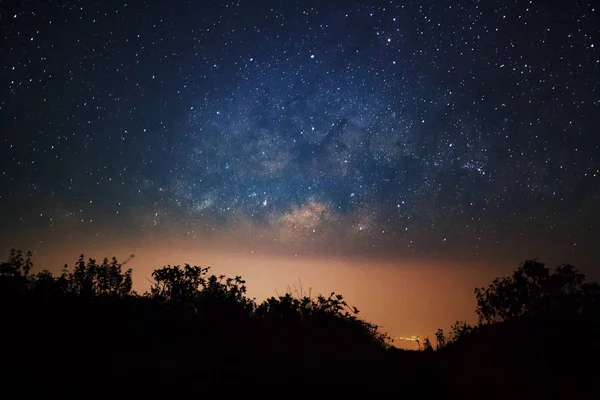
[334,126]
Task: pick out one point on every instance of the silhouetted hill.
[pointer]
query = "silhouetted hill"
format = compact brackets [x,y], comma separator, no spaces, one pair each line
[132,343]
[193,332]
[537,357]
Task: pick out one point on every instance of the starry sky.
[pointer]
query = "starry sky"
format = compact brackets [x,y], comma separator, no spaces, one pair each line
[440,132]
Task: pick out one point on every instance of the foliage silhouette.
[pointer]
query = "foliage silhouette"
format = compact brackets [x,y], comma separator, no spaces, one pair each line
[440,339]
[16,265]
[534,290]
[92,279]
[427,347]
[329,318]
[521,346]
[460,329]
[207,296]
[193,329]
[184,307]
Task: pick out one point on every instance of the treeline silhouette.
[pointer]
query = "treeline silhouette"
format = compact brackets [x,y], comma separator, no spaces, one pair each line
[538,335]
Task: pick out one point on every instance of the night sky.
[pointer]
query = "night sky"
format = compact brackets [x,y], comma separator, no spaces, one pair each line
[439,132]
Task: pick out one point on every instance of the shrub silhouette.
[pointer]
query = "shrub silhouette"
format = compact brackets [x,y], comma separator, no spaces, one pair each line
[521,345]
[192,329]
[185,306]
[329,318]
[459,330]
[178,285]
[91,279]
[427,347]
[440,338]
[210,297]
[14,273]
[534,290]
[16,265]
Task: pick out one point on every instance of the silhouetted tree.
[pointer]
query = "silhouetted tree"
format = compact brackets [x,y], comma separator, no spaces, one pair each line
[91,279]
[175,284]
[211,296]
[16,265]
[533,290]
[14,274]
[440,339]
[45,285]
[114,333]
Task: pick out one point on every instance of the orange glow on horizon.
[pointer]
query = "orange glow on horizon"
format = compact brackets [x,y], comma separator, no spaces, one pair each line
[406,298]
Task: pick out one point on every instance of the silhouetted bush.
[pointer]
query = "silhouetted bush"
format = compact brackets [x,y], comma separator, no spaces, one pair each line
[193,329]
[534,290]
[440,338]
[14,273]
[460,330]
[193,289]
[92,279]
[329,319]
[188,314]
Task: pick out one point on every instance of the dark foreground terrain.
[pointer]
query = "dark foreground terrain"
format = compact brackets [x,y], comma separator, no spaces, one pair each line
[86,333]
